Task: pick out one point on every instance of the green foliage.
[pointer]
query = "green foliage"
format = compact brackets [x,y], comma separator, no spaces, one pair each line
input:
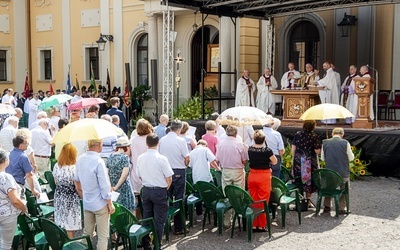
[141,93]
[211,92]
[191,109]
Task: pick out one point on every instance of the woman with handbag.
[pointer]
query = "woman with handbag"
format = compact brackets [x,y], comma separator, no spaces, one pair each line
[305,149]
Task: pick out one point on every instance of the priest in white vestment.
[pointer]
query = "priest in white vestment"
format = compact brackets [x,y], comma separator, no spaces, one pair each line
[290,77]
[348,98]
[265,100]
[33,109]
[330,93]
[245,90]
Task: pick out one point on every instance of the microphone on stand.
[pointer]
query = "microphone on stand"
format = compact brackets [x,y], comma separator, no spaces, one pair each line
[376,95]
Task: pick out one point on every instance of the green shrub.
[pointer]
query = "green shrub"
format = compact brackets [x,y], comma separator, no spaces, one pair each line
[191,109]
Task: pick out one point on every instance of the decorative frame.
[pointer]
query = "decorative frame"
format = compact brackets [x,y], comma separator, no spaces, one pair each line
[213,57]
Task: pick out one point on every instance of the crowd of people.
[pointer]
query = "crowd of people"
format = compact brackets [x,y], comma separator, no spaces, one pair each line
[334,91]
[151,163]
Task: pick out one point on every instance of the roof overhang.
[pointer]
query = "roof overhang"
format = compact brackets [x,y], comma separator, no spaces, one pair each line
[265,9]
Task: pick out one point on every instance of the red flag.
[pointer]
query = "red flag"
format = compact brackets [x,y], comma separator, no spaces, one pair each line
[127,95]
[26,87]
[51,89]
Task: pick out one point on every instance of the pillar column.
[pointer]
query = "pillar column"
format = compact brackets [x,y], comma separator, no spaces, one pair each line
[152,41]
[225,44]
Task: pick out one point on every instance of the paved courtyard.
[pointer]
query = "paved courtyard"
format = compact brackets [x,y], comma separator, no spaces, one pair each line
[374,222]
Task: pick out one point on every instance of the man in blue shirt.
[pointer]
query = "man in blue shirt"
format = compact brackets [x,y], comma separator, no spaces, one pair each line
[93,184]
[115,111]
[20,167]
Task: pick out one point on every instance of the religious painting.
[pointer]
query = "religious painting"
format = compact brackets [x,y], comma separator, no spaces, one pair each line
[213,57]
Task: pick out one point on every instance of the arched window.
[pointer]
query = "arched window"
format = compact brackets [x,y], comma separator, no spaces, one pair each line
[142,61]
[304,45]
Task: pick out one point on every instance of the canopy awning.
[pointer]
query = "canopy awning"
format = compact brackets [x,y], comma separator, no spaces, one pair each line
[264,9]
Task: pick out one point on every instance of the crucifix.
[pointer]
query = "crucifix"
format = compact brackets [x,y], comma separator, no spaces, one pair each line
[178,60]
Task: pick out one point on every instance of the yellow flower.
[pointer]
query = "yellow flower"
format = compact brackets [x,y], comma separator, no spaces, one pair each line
[357,161]
[353,148]
[287,164]
[362,172]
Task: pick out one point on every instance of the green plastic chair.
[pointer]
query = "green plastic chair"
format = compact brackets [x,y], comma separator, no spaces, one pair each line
[59,240]
[189,176]
[122,219]
[329,183]
[192,202]
[33,235]
[291,182]
[18,237]
[214,200]
[241,202]
[217,178]
[281,196]
[53,162]
[37,209]
[174,210]
[50,180]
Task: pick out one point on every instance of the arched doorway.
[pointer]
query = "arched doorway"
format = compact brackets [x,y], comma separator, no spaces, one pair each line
[304,45]
[315,24]
[211,36]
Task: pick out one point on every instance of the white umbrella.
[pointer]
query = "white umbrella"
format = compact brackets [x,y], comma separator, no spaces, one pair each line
[243,116]
[6,109]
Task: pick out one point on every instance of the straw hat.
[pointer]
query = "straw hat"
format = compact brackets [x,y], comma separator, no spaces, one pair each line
[123,142]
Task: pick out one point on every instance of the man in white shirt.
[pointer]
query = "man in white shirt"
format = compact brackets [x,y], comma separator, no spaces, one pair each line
[174,147]
[156,174]
[41,144]
[7,133]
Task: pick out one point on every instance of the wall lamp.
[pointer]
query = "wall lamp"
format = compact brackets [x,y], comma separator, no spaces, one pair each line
[102,41]
[346,23]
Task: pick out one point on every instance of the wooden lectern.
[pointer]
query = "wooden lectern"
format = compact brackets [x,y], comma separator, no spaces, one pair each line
[296,102]
[364,88]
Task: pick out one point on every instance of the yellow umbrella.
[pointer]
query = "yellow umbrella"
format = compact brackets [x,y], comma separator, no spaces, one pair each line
[87,129]
[326,111]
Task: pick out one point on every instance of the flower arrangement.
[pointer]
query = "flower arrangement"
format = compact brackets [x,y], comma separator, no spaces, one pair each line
[287,156]
[358,167]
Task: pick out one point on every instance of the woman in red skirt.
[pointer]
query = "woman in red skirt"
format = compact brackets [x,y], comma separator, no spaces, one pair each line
[259,180]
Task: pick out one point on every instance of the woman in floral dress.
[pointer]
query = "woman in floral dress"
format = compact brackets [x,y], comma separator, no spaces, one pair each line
[305,149]
[67,208]
[118,165]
